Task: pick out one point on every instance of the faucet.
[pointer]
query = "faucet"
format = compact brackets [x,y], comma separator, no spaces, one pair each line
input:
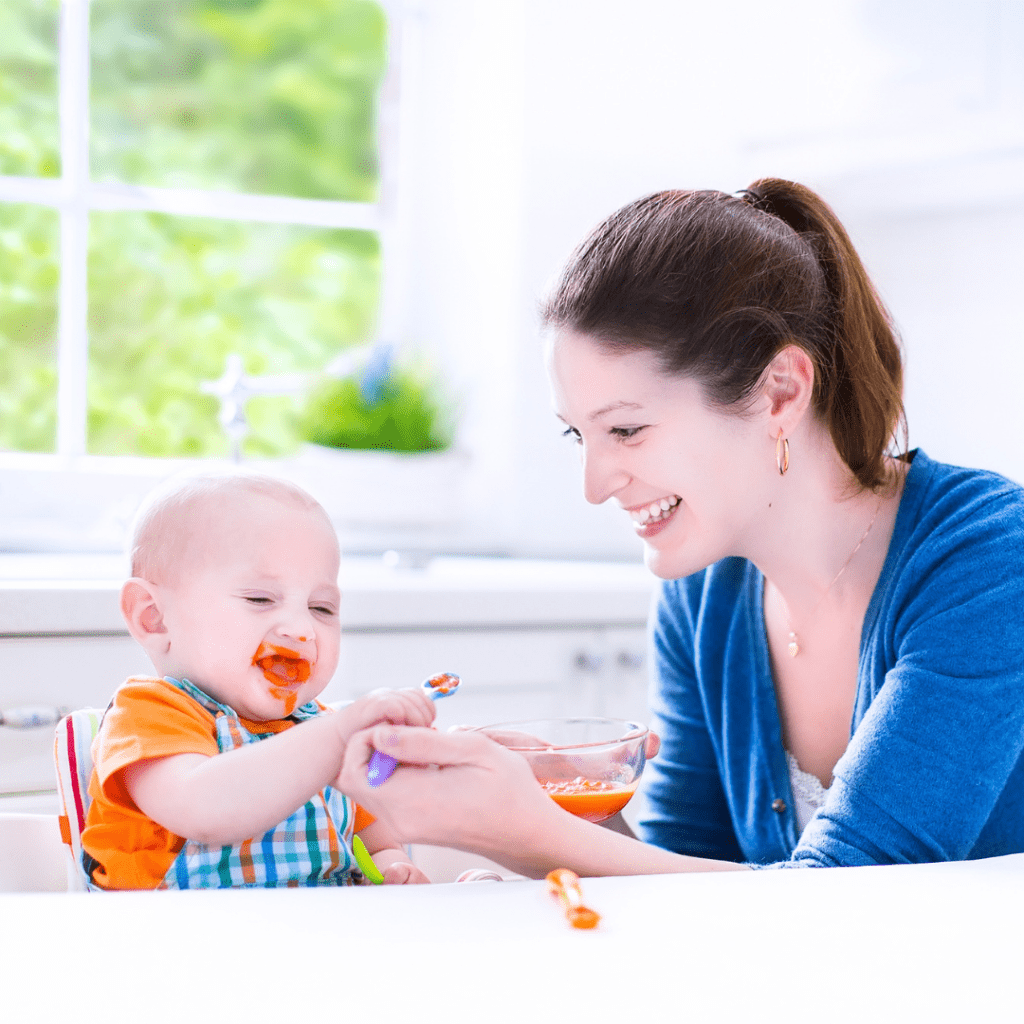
[235,387]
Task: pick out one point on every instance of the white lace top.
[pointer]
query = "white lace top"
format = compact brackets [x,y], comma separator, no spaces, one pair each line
[808,792]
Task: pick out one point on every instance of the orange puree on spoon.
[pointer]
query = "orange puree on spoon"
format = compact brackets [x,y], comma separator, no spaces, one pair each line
[285,670]
[594,801]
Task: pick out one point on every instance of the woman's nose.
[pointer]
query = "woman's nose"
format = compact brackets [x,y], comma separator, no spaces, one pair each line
[602,476]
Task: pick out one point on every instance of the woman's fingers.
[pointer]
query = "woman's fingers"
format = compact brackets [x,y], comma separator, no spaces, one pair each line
[520,739]
[450,789]
[511,738]
[414,746]
[652,745]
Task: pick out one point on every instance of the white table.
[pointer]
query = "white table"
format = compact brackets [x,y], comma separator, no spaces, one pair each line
[923,943]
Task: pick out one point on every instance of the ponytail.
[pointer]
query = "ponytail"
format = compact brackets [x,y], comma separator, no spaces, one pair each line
[859,389]
[716,285]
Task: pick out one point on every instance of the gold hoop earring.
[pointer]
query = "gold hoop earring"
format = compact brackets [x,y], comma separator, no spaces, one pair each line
[782,453]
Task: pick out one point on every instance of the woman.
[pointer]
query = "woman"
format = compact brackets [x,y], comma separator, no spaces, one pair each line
[839,641]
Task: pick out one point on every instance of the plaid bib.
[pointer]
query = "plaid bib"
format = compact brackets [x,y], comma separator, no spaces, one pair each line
[310,847]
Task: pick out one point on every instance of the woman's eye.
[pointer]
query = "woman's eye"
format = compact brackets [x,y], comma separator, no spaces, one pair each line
[625,433]
[573,433]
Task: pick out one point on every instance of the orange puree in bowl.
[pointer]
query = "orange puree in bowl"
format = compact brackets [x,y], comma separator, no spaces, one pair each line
[594,801]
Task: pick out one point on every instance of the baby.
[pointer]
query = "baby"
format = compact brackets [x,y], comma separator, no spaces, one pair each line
[222,772]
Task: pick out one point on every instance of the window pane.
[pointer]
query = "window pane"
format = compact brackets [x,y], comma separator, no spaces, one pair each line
[29,126]
[171,297]
[28,327]
[264,96]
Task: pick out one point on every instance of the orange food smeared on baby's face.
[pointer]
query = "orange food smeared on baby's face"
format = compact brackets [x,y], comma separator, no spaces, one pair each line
[285,670]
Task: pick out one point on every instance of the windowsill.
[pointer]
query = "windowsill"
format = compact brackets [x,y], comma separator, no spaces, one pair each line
[86,505]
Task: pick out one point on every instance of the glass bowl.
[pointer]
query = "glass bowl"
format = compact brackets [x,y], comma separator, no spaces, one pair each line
[589,766]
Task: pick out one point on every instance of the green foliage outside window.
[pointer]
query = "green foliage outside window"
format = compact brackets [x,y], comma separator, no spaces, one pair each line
[171,297]
[29,126]
[28,327]
[259,96]
[29,147]
[269,96]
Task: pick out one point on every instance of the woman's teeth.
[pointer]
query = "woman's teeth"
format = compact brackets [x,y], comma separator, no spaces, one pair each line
[657,510]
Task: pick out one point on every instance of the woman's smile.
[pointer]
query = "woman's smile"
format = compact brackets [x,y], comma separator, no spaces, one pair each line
[652,517]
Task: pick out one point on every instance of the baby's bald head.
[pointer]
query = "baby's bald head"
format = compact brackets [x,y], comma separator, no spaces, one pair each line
[180,524]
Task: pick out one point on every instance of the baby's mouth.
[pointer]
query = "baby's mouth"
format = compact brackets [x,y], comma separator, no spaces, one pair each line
[282,666]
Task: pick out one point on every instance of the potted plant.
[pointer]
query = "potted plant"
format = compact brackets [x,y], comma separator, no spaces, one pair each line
[379,445]
[388,407]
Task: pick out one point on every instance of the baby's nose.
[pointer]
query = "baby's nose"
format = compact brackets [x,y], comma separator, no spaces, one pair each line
[299,628]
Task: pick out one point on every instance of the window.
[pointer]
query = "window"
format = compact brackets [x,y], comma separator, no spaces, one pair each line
[181,180]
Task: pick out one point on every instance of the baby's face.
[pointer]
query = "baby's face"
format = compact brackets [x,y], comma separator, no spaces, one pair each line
[253,619]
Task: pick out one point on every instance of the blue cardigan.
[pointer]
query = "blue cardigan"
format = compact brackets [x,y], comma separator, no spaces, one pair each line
[934,768]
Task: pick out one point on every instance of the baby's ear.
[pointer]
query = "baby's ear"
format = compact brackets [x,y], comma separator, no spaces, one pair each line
[141,610]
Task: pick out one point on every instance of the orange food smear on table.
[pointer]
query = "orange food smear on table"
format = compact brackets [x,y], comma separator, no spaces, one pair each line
[284,669]
[594,801]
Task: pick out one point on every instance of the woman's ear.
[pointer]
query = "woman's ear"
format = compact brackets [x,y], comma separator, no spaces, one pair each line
[788,388]
[140,607]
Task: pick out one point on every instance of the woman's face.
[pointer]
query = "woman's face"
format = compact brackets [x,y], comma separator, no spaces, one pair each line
[694,479]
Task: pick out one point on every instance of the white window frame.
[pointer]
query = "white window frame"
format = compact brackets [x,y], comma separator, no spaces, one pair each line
[75,196]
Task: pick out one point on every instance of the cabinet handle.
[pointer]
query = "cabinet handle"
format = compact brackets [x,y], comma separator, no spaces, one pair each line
[588,661]
[630,659]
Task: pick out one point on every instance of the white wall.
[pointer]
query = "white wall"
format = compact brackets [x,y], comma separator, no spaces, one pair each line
[906,116]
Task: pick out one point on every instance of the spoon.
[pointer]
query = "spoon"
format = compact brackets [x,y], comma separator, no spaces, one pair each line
[565,884]
[381,765]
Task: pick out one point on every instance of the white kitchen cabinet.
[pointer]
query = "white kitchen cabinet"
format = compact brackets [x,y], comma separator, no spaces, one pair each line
[507,674]
[54,672]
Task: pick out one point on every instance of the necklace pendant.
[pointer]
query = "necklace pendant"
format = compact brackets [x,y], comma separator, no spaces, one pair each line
[793,647]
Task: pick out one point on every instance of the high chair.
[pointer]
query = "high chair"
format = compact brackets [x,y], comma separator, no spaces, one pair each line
[72,754]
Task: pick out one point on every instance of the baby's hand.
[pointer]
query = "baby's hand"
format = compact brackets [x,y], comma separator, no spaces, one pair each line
[399,707]
[404,873]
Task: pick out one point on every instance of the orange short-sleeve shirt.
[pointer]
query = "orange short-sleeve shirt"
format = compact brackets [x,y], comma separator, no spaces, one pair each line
[148,718]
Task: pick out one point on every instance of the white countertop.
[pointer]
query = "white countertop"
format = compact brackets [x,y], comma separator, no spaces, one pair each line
[79,593]
[920,943]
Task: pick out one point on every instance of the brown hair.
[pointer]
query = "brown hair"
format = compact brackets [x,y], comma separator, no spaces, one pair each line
[715,285]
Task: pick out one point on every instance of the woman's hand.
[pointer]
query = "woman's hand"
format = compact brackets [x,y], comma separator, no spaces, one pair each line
[463,790]
[651,746]
[459,789]
[520,739]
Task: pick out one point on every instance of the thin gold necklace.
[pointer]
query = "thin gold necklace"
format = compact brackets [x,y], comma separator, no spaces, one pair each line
[793,646]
